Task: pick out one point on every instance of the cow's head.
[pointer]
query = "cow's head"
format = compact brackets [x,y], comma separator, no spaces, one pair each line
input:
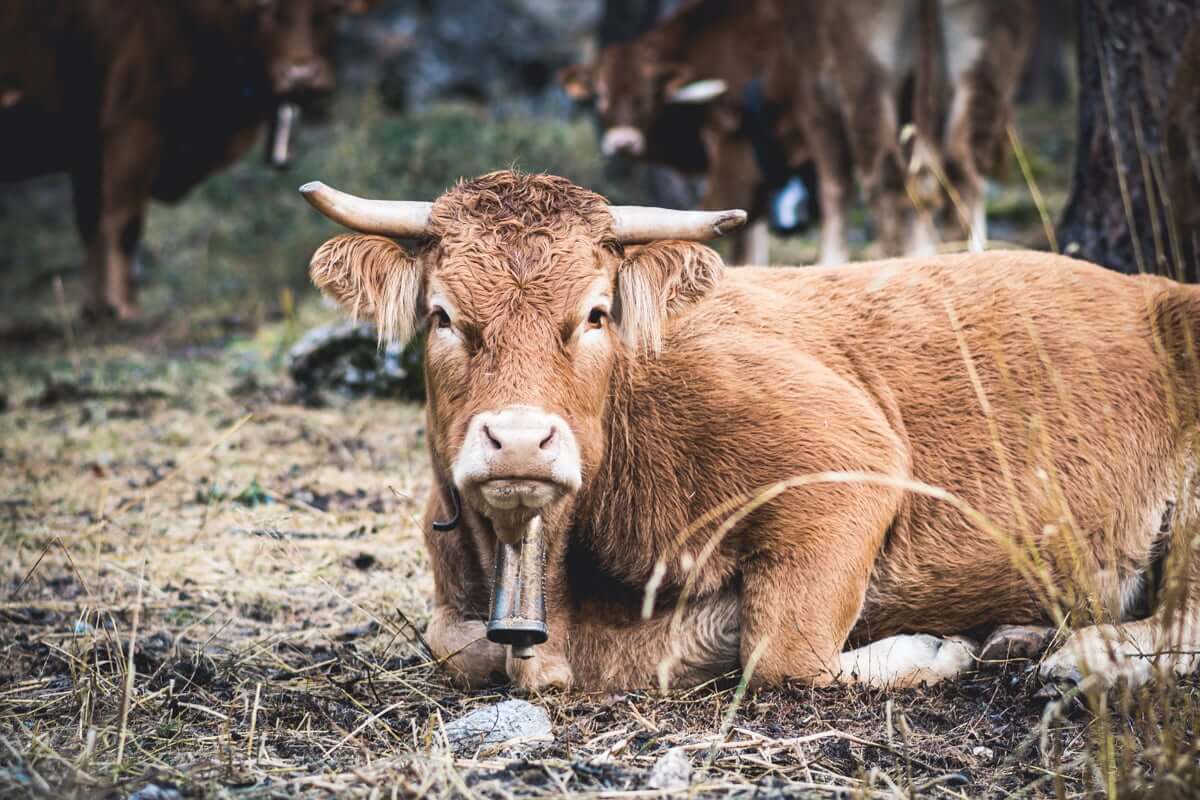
[296,40]
[529,302]
[297,37]
[631,85]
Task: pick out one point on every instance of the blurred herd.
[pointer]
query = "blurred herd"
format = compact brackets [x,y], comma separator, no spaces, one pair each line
[789,109]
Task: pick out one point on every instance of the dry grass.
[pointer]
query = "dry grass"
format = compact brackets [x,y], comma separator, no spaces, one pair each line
[264,560]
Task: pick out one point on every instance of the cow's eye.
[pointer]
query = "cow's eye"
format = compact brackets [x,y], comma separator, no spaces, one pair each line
[597,318]
[439,318]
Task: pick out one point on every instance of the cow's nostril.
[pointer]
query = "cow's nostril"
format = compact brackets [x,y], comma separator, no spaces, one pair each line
[545,443]
[495,442]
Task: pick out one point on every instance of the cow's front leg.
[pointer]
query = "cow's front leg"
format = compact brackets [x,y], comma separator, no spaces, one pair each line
[803,586]
[548,668]
[461,646]
[111,197]
[907,660]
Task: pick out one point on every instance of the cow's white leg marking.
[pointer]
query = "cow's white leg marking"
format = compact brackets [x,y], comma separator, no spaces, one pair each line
[978,241]
[1100,656]
[833,237]
[907,661]
[922,236]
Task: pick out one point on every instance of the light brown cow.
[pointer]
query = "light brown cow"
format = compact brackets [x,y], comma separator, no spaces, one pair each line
[963,59]
[765,467]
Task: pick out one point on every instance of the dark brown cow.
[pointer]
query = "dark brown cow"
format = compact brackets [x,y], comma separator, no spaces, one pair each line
[141,98]
[766,466]
[693,66]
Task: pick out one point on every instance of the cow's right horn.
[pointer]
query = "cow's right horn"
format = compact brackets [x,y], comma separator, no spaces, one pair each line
[402,219]
[640,224]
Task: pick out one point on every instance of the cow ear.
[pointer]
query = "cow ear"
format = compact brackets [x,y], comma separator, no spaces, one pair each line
[657,281]
[576,81]
[371,278]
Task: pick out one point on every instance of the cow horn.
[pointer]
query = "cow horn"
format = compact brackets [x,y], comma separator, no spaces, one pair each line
[638,224]
[402,219]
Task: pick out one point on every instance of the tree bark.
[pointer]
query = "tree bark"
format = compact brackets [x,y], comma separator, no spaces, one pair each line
[1128,51]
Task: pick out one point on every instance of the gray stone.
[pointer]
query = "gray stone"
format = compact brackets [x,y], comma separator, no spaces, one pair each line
[345,358]
[672,771]
[502,722]
[154,792]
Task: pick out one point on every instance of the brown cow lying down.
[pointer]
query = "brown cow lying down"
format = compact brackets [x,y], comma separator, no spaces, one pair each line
[811,473]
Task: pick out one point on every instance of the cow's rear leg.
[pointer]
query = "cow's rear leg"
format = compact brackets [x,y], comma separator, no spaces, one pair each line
[1168,641]
[1100,656]
[963,163]
[110,205]
[752,245]
[907,660]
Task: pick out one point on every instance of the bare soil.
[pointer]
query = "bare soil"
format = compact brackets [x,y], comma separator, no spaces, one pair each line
[209,588]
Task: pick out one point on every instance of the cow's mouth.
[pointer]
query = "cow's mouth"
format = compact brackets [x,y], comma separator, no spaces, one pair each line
[514,494]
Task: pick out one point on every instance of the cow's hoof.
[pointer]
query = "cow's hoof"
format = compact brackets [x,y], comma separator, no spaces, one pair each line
[1013,642]
[540,673]
[1097,658]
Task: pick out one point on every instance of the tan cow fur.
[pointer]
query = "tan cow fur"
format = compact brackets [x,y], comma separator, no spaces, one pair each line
[1011,433]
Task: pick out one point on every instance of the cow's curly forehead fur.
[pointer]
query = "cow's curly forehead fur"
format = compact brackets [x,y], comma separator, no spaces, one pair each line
[509,242]
[510,207]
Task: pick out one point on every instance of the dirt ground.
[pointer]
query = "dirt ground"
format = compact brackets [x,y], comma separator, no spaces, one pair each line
[208,588]
[164,488]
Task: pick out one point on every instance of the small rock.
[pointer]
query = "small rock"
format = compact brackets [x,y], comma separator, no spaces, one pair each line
[672,771]
[502,722]
[154,792]
[346,359]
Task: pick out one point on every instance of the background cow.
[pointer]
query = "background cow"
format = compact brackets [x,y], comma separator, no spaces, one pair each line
[139,99]
[693,67]
[843,81]
[787,461]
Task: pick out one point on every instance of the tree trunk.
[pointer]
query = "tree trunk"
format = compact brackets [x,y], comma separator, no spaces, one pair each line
[1045,77]
[1128,51]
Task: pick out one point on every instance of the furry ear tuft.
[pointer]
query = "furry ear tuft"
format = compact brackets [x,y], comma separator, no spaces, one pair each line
[657,281]
[372,278]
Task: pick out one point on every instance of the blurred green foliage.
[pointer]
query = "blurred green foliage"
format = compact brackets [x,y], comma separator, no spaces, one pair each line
[244,235]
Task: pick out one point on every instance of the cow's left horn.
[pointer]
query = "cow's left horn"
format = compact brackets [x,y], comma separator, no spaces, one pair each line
[639,224]
[403,219]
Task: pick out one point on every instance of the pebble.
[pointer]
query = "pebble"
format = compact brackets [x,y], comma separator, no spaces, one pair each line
[672,771]
[154,792]
[501,722]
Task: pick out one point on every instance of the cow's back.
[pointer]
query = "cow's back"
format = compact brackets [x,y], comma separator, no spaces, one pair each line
[1028,385]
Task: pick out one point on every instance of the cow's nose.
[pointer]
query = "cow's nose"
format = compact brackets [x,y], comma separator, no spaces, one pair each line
[517,457]
[533,439]
[622,140]
[304,74]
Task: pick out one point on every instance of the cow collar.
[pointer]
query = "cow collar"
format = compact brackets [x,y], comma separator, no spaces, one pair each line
[455,517]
